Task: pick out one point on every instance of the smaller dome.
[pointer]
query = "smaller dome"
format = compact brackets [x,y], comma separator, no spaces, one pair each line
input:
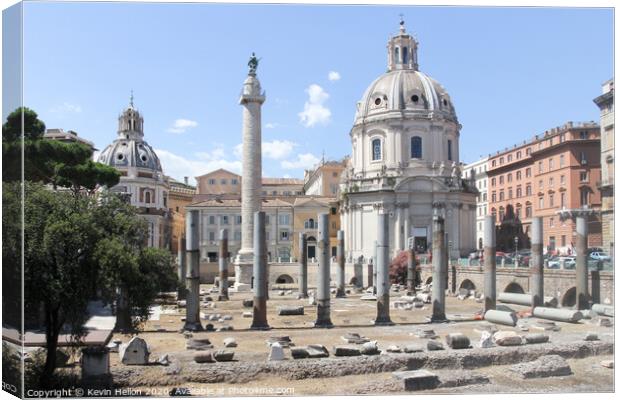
[124,153]
[407,91]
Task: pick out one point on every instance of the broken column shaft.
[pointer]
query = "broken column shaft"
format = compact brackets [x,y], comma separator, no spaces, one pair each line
[303,266]
[374,271]
[536,269]
[581,268]
[440,270]
[490,289]
[259,317]
[340,262]
[323,319]
[192,307]
[410,271]
[383,273]
[223,265]
[182,272]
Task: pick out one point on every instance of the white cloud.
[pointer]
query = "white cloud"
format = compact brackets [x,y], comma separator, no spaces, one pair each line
[178,167]
[181,125]
[314,110]
[271,125]
[66,108]
[215,154]
[333,76]
[278,149]
[238,151]
[305,161]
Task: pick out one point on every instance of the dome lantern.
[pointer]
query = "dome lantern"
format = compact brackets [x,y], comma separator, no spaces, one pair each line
[130,123]
[402,50]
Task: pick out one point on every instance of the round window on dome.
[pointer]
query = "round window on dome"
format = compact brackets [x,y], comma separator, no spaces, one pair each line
[378,101]
[119,156]
[445,102]
[415,98]
[143,157]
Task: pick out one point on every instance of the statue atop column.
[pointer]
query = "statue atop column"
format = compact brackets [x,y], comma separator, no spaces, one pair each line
[253,64]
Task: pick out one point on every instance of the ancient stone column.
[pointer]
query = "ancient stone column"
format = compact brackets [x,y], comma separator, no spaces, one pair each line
[223,265]
[182,271]
[581,269]
[192,306]
[536,268]
[440,270]
[490,267]
[303,266]
[340,262]
[323,319]
[259,318]
[410,271]
[374,271]
[252,98]
[383,271]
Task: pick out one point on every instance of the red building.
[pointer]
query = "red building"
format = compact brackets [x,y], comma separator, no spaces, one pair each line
[555,170]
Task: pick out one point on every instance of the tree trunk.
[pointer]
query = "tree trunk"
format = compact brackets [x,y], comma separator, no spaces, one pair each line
[123,314]
[52,331]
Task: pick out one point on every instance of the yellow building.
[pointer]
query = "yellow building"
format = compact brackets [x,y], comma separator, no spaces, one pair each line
[180,195]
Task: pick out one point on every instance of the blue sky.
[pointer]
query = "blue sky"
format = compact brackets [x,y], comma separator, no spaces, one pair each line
[511,72]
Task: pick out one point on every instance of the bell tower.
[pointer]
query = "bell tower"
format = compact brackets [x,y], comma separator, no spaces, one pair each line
[402,50]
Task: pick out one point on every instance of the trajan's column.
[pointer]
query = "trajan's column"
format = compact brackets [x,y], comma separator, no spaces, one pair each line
[252,98]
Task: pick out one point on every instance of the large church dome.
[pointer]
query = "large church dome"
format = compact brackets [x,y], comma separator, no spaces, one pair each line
[130,149]
[404,91]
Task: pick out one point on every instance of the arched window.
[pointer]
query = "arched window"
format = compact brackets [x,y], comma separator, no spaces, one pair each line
[416,147]
[396,55]
[376,149]
[147,197]
[450,150]
[501,213]
[309,224]
[405,55]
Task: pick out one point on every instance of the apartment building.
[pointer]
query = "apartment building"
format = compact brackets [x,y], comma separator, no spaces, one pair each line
[606,104]
[559,169]
[477,171]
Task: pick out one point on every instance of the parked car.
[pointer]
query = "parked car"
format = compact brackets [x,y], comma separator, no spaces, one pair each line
[593,249]
[600,256]
[556,262]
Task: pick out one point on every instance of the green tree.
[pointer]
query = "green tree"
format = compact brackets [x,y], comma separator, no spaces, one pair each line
[12,254]
[49,161]
[131,274]
[58,246]
[34,128]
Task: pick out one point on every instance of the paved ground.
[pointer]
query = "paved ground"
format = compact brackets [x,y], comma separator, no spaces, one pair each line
[348,315]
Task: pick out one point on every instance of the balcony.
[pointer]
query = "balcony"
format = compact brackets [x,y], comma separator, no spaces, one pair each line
[605,184]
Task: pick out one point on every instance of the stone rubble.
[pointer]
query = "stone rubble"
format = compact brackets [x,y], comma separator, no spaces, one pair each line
[545,366]
[276,353]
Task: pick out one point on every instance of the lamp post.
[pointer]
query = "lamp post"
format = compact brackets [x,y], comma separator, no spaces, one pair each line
[516,246]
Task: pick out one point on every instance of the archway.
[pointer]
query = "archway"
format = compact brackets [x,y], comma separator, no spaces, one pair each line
[514,287]
[284,278]
[570,298]
[467,284]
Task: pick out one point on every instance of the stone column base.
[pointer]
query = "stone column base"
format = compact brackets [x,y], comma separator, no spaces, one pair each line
[243,276]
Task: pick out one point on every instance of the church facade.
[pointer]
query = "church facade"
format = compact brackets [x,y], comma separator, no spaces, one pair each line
[405,162]
[142,180]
